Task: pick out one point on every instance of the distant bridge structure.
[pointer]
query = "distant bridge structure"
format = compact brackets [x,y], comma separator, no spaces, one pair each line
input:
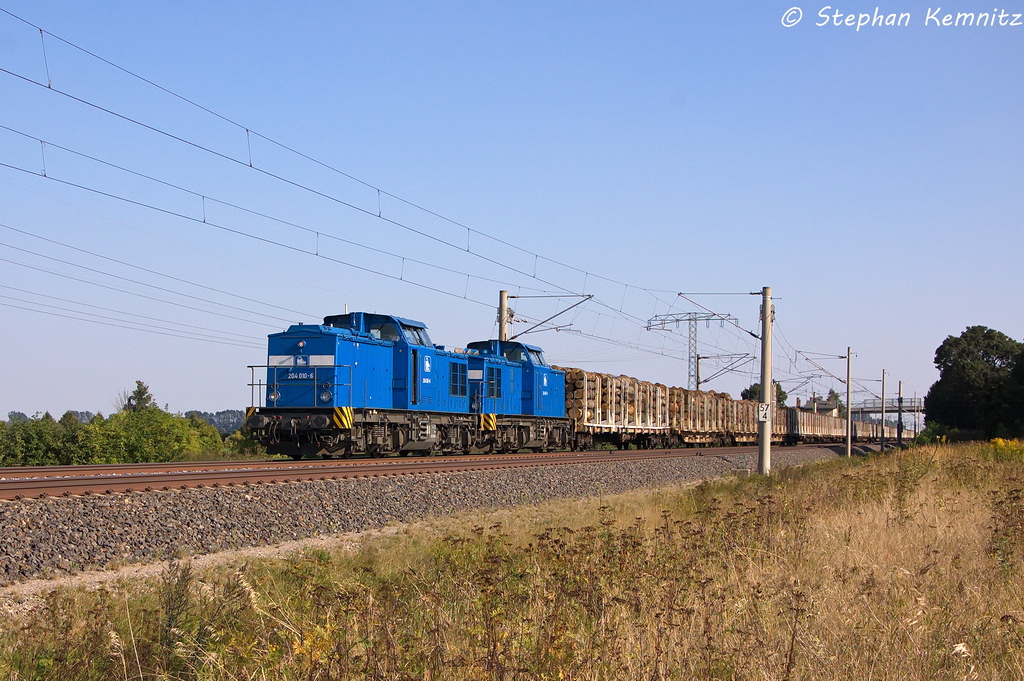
[892,405]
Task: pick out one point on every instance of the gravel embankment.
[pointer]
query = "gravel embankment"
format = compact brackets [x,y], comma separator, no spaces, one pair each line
[40,537]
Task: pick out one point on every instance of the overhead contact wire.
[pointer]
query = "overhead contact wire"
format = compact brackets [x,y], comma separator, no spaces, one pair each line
[132,328]
[280,178]
[248,131]
[125,321]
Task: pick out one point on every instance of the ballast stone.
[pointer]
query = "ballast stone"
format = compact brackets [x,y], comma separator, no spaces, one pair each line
[68,534]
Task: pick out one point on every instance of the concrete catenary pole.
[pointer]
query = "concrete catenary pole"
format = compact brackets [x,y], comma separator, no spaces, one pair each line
[764,428]
[917,425]
[882,440]
[899,417]
[503,315]
[849,409]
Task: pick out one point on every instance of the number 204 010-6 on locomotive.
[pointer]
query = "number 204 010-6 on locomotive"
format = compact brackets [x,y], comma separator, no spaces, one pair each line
[375,384]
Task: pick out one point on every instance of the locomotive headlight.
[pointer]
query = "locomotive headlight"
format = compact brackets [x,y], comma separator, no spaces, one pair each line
[302,344]
[326,396]
[274,396]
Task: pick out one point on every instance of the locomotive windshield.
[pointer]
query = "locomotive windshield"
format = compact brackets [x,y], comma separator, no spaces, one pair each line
[538,357]
[416,335]
[514,353]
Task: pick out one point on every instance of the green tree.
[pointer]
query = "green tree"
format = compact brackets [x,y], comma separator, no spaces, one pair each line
[753,393]
[140,399]
[977,377]
[152,435]
[1007,403]
[41,441]
[31,442]
[833,396]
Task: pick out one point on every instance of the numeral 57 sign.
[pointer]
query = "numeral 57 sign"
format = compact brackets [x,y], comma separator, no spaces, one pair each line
[763,410]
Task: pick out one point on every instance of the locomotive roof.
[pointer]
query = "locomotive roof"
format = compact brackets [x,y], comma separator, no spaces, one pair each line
[495,340]
[401,320]
[409,322]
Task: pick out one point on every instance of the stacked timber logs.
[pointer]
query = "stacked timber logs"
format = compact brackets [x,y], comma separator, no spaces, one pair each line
[580,393]
[677,408]
[604,400]
[696,411]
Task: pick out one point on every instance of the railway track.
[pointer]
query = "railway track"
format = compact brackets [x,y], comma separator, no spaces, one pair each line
[45,481]
[18,472]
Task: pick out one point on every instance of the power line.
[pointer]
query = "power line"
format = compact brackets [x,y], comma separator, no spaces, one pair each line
[219,333]
[119,290]
[619,311]
[164,237]
[265,240]
[267,173]
[249,131]
[131,328]
[142,283]
[709,310]
[215,225]
[256,213]
[298,185]
[149,271]
[616,311]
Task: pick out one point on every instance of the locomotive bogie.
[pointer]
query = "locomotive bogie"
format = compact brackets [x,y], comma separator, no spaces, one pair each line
[394,432]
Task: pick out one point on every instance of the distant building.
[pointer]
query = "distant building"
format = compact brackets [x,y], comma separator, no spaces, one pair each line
[819,405]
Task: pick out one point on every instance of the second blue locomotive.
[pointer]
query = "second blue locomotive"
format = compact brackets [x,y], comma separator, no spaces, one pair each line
[376,384]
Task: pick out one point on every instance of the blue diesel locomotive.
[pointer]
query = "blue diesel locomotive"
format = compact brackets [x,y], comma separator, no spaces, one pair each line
[375,384]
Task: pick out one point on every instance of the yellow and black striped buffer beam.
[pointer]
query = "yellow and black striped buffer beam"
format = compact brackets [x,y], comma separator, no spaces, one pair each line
[343,417]
[249,412]
[488,421]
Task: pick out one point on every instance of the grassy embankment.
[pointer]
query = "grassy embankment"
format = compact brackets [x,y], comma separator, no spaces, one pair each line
[905,566]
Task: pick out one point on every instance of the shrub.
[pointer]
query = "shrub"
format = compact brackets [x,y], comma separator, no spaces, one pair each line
[1005,450]
[140,432]
[153,435]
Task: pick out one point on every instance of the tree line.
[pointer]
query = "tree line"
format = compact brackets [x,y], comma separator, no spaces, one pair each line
[138,432]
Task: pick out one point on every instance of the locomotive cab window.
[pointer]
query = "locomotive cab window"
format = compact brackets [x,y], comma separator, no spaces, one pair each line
[538,358]
[492,386]
[341,321]
[514,354]
[385,329]
[459,382]
[416,335]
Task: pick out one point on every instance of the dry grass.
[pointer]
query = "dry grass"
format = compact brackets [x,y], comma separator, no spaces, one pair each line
[900,567]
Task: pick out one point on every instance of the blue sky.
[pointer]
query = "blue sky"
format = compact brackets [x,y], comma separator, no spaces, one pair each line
[873,178]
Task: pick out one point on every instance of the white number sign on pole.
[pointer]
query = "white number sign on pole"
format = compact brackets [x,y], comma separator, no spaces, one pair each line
[763,411]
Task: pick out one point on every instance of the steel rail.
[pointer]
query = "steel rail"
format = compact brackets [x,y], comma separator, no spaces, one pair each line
[177,480]
[115,478]
[78,470]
